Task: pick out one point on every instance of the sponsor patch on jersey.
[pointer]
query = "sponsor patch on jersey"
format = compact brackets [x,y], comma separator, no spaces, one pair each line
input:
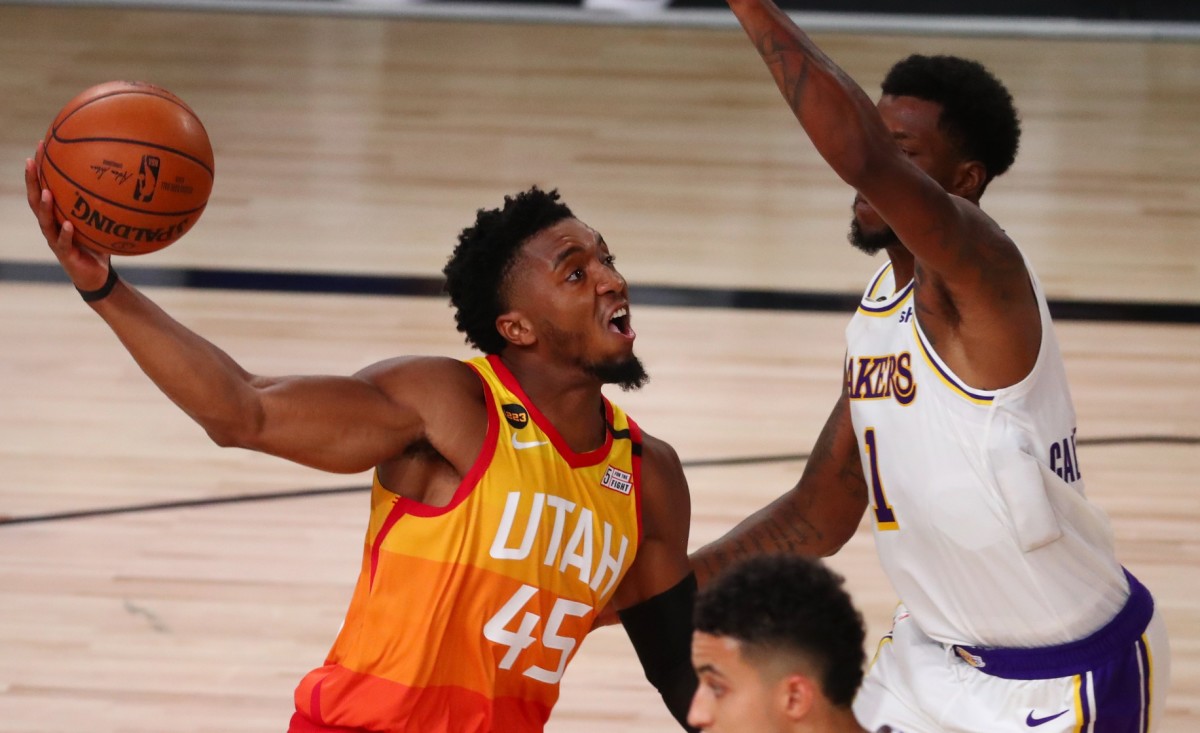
[617,480]
[516,415]
[969,658]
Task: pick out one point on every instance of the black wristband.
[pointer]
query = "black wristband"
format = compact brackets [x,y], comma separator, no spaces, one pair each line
[91,296]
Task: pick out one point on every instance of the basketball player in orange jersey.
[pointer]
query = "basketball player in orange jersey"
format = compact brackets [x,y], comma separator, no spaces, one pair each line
[511,499]
[955,429]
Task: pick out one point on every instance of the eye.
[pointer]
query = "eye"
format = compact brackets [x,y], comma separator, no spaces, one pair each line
[576,275]
[610,260]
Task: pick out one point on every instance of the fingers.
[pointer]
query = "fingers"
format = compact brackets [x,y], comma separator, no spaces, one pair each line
[33,187]
[45,214]
[40,200]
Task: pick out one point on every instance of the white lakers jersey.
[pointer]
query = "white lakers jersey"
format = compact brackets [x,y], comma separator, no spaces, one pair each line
[976,496]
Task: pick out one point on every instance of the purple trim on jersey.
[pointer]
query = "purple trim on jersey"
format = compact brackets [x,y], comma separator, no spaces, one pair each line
[1113,644]
[889,304]
[1085,707]
[931,357]
[878,279]
[1147,680]
[1121,694]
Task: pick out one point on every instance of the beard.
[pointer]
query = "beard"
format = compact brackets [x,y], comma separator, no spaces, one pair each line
[871,242]
[628,373]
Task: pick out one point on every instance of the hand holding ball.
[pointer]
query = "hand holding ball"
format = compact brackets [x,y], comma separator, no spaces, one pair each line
[130,166]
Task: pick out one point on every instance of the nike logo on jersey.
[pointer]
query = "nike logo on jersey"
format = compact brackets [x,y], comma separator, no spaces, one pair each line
[1033,722]
[523,444]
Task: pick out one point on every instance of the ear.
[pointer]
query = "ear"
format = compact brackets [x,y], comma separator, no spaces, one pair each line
[799,694]
[970,178]
[516,329]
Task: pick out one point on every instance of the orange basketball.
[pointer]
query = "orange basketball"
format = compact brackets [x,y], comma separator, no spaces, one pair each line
[130,165]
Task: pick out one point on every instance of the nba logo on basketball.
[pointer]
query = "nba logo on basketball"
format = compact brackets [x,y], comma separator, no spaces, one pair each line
[147,179]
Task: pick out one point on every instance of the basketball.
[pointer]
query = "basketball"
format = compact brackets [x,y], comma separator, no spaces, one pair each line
[130,166]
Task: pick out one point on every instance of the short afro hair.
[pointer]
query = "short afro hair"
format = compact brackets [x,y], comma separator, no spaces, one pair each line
[977,110]
[789,606]
[476,271]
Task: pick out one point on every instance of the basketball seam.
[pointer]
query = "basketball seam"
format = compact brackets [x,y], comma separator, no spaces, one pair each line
[73,140]
[119,92]
[47,159]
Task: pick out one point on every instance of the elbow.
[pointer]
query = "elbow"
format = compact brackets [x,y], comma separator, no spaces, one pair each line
[868,163]
[231,434]
[232,425]
[833,546]
[838,534]
[226,438]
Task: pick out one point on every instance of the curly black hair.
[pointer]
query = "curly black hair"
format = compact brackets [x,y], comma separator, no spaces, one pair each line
[977,110]
[476,271]
[791,605]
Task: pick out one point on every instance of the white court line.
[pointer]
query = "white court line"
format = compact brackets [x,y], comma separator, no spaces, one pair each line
[648,12]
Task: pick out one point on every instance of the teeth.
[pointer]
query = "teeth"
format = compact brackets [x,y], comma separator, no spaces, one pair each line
[621,312]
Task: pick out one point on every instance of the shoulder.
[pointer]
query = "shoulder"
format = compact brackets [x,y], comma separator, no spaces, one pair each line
[430,371]
[426,382]
[661,463]
[665,495]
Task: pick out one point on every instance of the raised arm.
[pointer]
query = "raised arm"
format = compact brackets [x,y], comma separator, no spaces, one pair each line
[815,518]
[974,298]
[340,424]
[846,129]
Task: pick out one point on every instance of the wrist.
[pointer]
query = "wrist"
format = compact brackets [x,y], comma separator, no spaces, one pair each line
[91,296]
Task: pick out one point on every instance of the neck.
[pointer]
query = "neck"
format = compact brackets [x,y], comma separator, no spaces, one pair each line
[903,264]
[831,720]
[568,398]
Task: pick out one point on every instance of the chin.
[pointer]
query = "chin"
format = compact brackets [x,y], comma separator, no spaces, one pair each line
[871,239]
[626,372]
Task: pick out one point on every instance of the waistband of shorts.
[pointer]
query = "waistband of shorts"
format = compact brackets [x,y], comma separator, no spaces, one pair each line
[1072,658]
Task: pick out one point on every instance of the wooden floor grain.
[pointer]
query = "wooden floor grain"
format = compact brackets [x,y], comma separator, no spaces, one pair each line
[363,146]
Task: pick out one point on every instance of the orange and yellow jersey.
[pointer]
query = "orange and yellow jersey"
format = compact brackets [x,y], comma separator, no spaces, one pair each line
[465,616]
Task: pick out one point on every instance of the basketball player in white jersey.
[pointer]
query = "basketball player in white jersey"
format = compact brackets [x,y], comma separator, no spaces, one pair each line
[955,429]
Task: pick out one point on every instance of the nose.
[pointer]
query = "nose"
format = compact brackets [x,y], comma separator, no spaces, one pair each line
[609,281]
[699,713]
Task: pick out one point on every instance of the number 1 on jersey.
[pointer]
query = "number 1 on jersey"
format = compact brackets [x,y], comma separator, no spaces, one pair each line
[885,518]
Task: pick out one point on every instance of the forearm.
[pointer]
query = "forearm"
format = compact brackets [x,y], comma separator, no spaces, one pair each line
[779,527]
[839,118]
[192,372]
[815,518]
[660,629]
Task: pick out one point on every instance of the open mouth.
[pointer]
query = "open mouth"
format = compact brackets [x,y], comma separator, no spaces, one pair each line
[619,322]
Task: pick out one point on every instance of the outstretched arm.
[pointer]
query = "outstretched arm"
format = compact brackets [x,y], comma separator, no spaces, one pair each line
[341,424]
[974,297]
[846,129]
[815,518]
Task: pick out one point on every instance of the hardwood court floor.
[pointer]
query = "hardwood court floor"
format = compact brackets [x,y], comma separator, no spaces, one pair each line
[363,146]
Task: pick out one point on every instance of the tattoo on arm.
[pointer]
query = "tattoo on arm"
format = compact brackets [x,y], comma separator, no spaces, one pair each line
[788,64]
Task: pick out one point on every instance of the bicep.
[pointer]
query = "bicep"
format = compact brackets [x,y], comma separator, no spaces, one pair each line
[662,560]
[935,226]
[351,424]
[832,491]
[815,517]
